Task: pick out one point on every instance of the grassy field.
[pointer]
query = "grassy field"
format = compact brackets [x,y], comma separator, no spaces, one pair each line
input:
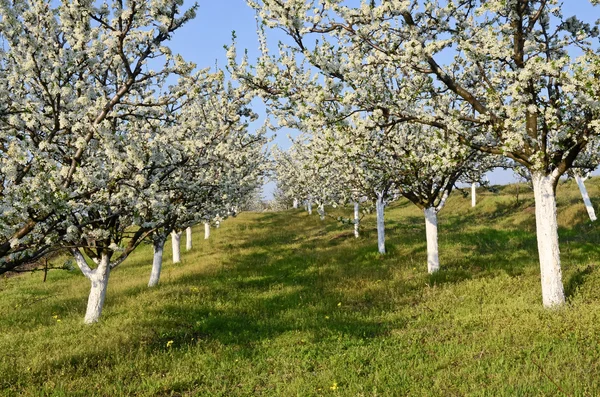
[283,304]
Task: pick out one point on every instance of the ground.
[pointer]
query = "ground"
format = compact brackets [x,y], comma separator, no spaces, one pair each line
[283,304]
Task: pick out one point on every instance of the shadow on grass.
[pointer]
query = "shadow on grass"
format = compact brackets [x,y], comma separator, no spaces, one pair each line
[285,286]
[482,253]
[576,280]
[259,320]
[290,283]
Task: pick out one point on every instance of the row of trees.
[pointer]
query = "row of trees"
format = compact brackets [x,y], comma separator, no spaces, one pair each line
[98,153]
[416,163]
[431,85]
[394,98]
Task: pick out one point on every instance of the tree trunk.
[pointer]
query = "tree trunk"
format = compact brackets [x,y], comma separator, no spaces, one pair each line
[99,284]
[188,239]
[586,199]
[547,239]
[321,211]
[159,246]
[309,207]
[206,230]
[356,219]
[433,260]
[380,224]
[295,203]
[473,194]
[176,244]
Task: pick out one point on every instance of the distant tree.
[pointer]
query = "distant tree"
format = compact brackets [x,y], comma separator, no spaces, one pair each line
[281,201]
[254,201]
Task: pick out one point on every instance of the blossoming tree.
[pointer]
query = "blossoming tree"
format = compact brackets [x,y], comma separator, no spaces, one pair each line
[224,164]
[68,71]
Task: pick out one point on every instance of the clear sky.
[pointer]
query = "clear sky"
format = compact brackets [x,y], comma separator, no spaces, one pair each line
[202,41]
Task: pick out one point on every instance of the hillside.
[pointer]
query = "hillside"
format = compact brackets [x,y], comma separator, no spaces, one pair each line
[283,304]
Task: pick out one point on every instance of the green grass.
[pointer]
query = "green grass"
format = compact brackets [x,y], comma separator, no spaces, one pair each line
[283,304]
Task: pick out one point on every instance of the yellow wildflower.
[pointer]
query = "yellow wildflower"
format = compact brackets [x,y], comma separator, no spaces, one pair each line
[334,386]
[169,344]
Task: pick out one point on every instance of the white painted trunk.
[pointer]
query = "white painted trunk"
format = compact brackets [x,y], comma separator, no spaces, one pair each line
[473,194]
[321,211]
[206,230]
[586,198]
[309,207]
[176,244]
[547,239]
[188,239]
[159,247]
[380,224]
[295,203]
[433,260]
[99,284]
[356,219]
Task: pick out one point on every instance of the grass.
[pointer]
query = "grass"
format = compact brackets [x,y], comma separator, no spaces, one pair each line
[283,304]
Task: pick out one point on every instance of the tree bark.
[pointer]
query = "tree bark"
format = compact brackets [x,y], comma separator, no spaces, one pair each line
[473,194]
[295,205]
[309,207]
[99,283]
[159,246]
[176,244]
[547,239]
[380,223]
[356,219]
[321,211]
[586,199]
[188,239]
[433,260]
[206,230]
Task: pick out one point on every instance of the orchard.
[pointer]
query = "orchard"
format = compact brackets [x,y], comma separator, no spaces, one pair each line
[112,144]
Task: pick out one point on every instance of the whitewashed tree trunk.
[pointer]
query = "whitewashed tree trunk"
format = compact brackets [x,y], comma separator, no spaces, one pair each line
[356,219]
[309,207]
[99,283]
[206,230]
[586,199]
[176,244]
[98,289]
[188,239]
[380,204]
[547,239]
[473,194]
[321,211]
[159,246]
[295,203]
[433,260]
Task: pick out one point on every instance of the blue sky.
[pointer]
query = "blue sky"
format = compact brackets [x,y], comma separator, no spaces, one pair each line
[202,41]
